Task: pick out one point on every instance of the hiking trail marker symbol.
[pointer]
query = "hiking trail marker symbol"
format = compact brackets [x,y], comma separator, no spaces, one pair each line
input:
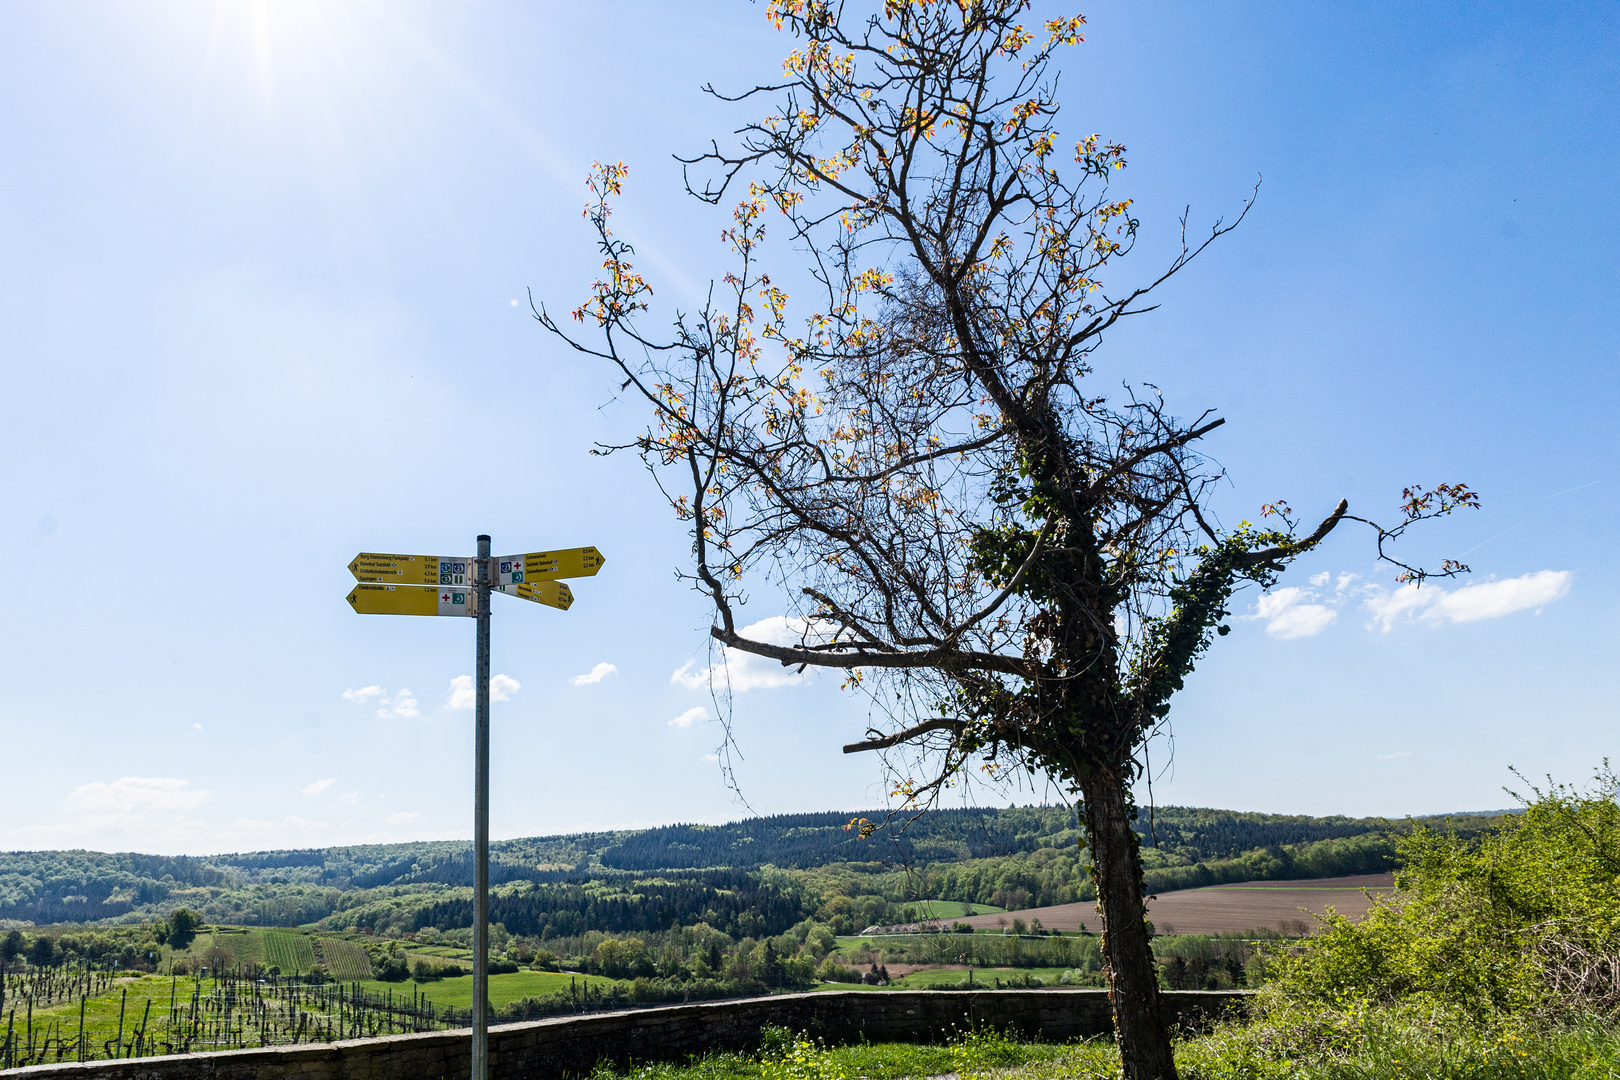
[462,585]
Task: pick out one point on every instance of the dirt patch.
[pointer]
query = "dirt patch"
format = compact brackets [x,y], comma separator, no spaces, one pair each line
[1289,906]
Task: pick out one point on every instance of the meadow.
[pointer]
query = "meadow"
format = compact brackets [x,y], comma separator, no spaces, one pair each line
[504,989]
[952,909]
[1230,1052]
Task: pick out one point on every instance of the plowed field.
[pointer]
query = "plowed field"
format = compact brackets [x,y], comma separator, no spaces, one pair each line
[1228,909]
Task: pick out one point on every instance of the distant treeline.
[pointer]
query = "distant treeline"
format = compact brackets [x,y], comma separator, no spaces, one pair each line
[84,886]
[1202,835]
[800,841]
[1014,857]
[733,902]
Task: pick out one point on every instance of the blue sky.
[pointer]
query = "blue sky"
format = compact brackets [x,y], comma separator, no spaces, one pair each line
[263,270]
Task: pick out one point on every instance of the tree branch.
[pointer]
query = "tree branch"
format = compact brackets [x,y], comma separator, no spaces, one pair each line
[938,723]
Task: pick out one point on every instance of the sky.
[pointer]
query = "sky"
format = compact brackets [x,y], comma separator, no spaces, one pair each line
[265,273]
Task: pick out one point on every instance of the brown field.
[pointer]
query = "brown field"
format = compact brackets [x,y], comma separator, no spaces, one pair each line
[1229,909]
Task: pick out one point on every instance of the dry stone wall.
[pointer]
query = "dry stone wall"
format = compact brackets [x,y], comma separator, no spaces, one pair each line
[560,1047]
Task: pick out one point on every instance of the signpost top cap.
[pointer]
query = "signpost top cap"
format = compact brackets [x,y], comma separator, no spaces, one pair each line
[483,536]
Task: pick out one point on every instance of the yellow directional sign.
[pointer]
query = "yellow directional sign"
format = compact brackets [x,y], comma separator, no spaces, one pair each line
[414,600]
[547,565]
[551,593]
[436,570]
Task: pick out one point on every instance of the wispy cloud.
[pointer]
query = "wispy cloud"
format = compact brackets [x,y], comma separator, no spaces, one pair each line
[1434,604]
[1292,612]
[319,786]
[136,794]
[404,817]
[1392,757]
[745,671]
[695,715]
[402,704]
[463,695]
[595,675]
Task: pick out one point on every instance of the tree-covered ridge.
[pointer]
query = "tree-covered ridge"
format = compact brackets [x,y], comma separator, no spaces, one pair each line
[734,902]
[802,841]
[1011,857]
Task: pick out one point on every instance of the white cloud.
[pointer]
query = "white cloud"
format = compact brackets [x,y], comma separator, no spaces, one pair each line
[197,726]
[710,758]
[1320,579]
[595,675]
[745,671]
[402,818]
[464,696]
[319,786]
[1486,600]
[403,704]
[136,794]
[1289,613]
[695,715]
[1392,757]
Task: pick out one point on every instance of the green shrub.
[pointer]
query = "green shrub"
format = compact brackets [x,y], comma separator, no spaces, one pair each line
[832,971]
[1525,920]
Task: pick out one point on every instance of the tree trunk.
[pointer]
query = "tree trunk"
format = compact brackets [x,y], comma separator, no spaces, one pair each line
[1133,986]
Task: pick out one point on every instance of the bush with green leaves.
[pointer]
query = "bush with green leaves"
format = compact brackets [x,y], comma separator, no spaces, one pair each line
[1524,920]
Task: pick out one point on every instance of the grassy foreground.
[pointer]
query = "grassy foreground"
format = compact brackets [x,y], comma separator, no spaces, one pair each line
[1345,1049]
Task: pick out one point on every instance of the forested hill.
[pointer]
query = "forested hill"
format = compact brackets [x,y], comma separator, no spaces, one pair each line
[965,854]
[802,841]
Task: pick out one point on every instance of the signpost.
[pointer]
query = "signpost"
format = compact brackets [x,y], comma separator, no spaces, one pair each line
[551,593]
[457,585]
[413,569]
[413,600]
[547,565]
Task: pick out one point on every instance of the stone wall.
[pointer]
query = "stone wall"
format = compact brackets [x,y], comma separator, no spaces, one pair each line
[571,1045]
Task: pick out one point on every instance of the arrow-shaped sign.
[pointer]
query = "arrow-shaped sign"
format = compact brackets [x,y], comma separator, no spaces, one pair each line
[457,570]
[414,600]
[546,565]
[550,593]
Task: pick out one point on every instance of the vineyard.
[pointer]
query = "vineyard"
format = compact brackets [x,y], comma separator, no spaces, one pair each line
[290,952]
[126,1018]
[69,1015]
[344,959]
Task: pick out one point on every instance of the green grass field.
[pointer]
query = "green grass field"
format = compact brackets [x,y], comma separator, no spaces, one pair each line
[982,977]
[246,946]
[503,989]
[439,952]
[952,909]
[1229,1053]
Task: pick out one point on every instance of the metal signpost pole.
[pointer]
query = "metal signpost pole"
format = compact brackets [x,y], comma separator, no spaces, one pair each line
[454,585]
[480,1039]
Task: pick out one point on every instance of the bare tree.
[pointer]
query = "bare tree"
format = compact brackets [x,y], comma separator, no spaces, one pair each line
[1021,570]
